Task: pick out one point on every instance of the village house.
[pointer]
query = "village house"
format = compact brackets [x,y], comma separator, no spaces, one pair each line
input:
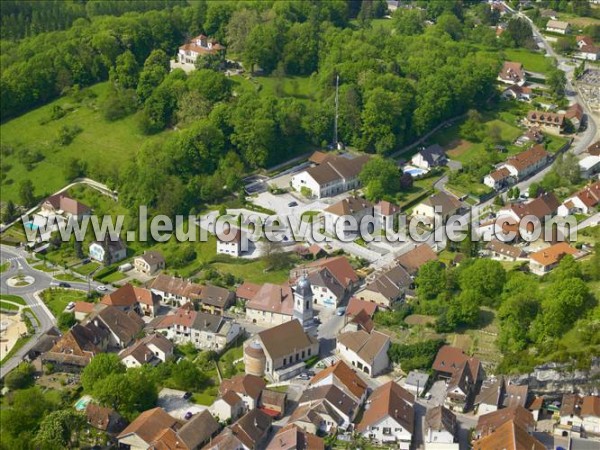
[416,382]
[246,291]
[438,207]
[76,348]
[63,205]
[109,251]
[510,435]
[441,427]
[583,202]
[132,298]
[175,291]
[155,429]
[272,403]
[570,415]
[152,349]
[334,216]
[229,242]
[594,149]
[430,157]
[490,396]
[248,387]
[536,407]
[215,299]
[83,309]
[387,288]
[512,73]
[547,121]
[292,437]
[122,327]
[586,49]
[543,261]
[389,416]
[499,179]
[367,352]
[501,251]
[250,432]
[543,208]
[491,422]
[332,175]
[199,46]
[589,166]
[205,331]
[516,92]
[149,263]
[590,412]
[280,352]
[557,26]
[356,306]
[386,215]
[228,407]
[345,378]
[416,257]
[104,419]
[464,376]
[525,163]
[575,115]
[333,408]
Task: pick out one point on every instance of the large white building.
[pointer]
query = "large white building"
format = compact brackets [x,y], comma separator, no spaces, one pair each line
[332,175]
[368,352]
[440,429]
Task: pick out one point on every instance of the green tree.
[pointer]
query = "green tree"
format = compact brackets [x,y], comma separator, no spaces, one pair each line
[57,429]
[101,366]
[10,212]
[380,177]
[408,22]
[484,276]
[556,81]
[188,377]
[518,31]
[66,320]
[156,68]
[238,29]
[473,128]
[26,193]
[126,71]
[464,309]
[431,280]
[129,393]
[20,377]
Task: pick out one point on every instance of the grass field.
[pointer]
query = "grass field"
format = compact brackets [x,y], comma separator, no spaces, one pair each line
[254,271]
[112,278]
[13,298]
[532,61]
[4,266]
[58,299]
[104,145]
[8,306]
[302,88]
[87,268]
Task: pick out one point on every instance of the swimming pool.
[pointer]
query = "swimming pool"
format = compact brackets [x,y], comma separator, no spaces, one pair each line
[414,171]
[82,402]
[30,225]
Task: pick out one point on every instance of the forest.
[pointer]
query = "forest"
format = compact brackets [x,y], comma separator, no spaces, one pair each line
[395,83]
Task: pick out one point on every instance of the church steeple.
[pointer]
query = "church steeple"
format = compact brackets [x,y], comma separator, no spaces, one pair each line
[303,301]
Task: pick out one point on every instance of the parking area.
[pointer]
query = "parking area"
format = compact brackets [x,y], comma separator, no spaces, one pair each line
[174,403]
[438,394]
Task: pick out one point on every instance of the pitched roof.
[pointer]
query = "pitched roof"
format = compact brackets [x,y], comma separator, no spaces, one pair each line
[553,254]
[516,395]
[333,395]
[345,376]
[450,359]
[433,153]
[338,266]
[105,419]
[152,257]
[199,429]
[249,385]
[84,307]
[363,320]
[546,118]
[176,286]
[273,298]
[231,398]
[446,203]
[285,339]
[440,418]
[571,405]
[335,167]
[557,24]
[292,437]
[491,392]
[590,406]
[349,206]
[252,427]
[129,295]
[324,278]
[545,205]
[490,422]
[594,149]
[590,195]
[247,290]
[67,204]
[318,157]
[576,110]
[524,160]
[392,283]
[386,208]
[149,424]
[585,39]
[125,325]
[355,305]
[502,248]
[141,350]
[512,71]
[415,258]
[216,296]
[500,174]
[366,345]
[389,400]
[509,436]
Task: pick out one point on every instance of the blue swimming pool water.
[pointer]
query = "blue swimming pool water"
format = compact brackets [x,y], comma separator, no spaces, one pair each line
[415,172]
[31,225]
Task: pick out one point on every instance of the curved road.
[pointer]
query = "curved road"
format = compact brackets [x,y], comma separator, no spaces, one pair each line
[19,265]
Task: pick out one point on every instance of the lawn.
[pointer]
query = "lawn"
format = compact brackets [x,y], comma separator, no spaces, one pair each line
[8,306]
[113,277]
[13,298]
[105,146]
[254,271]
[302,88]
[20,343]
[532,61]
[58,299]
[4,266]
[87,268]
[66,277]
[578,21]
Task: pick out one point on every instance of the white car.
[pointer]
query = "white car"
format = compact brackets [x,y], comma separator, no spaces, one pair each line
[70,306]
[102,288]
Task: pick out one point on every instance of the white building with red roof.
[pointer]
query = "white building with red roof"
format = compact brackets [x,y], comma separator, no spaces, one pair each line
[582,202]
[199,46]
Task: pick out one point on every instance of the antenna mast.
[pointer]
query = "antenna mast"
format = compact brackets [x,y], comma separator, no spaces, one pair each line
[335,121]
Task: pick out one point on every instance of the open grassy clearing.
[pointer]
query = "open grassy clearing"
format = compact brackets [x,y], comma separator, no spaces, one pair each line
[104,145]
[58,299]
[302,88]
[532,61]
[255,271]
[13,299]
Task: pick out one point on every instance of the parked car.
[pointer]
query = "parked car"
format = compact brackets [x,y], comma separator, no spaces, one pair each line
[292,204]
[304,376]
[102,288]
[340,311]
[187,395]
[70,306]
[62,284]
[188,415]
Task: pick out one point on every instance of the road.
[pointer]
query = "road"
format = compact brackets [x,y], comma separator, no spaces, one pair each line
[41,280]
